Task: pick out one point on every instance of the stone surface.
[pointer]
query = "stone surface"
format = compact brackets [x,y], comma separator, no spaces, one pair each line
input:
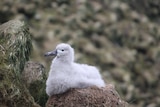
[34,76]
[89,97]
[33,71]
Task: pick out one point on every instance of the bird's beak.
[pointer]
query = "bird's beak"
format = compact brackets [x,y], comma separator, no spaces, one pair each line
[52,53]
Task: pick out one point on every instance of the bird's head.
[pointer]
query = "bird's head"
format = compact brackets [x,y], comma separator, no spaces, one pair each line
[63,52]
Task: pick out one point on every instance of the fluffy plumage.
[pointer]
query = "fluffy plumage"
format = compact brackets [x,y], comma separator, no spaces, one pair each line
[65,73]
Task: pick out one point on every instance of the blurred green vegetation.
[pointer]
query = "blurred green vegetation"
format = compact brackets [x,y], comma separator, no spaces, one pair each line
[121,37]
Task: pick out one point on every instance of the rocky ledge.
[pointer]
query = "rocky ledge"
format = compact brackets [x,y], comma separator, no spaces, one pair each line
[88,97]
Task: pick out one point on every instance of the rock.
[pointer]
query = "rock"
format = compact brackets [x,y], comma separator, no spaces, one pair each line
[15,49]
[34,77]
[33,72]
[88,97]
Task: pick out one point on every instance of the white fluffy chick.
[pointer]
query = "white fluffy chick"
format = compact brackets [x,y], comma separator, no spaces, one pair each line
[65,73]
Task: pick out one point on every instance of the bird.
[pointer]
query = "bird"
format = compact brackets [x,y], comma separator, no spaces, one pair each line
[65,73]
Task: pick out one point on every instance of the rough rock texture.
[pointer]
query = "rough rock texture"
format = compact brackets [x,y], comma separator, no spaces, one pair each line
[34,76]
[33,72]
[89,97]
[15,47]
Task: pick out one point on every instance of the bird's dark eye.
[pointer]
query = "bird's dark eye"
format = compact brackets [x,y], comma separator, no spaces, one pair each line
[62,50]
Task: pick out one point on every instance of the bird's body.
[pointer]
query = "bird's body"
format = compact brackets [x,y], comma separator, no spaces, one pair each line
[65,73]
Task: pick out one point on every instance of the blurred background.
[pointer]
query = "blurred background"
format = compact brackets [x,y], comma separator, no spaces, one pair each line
[120,37]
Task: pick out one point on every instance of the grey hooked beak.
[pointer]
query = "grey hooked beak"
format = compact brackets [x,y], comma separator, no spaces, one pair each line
[52,53]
